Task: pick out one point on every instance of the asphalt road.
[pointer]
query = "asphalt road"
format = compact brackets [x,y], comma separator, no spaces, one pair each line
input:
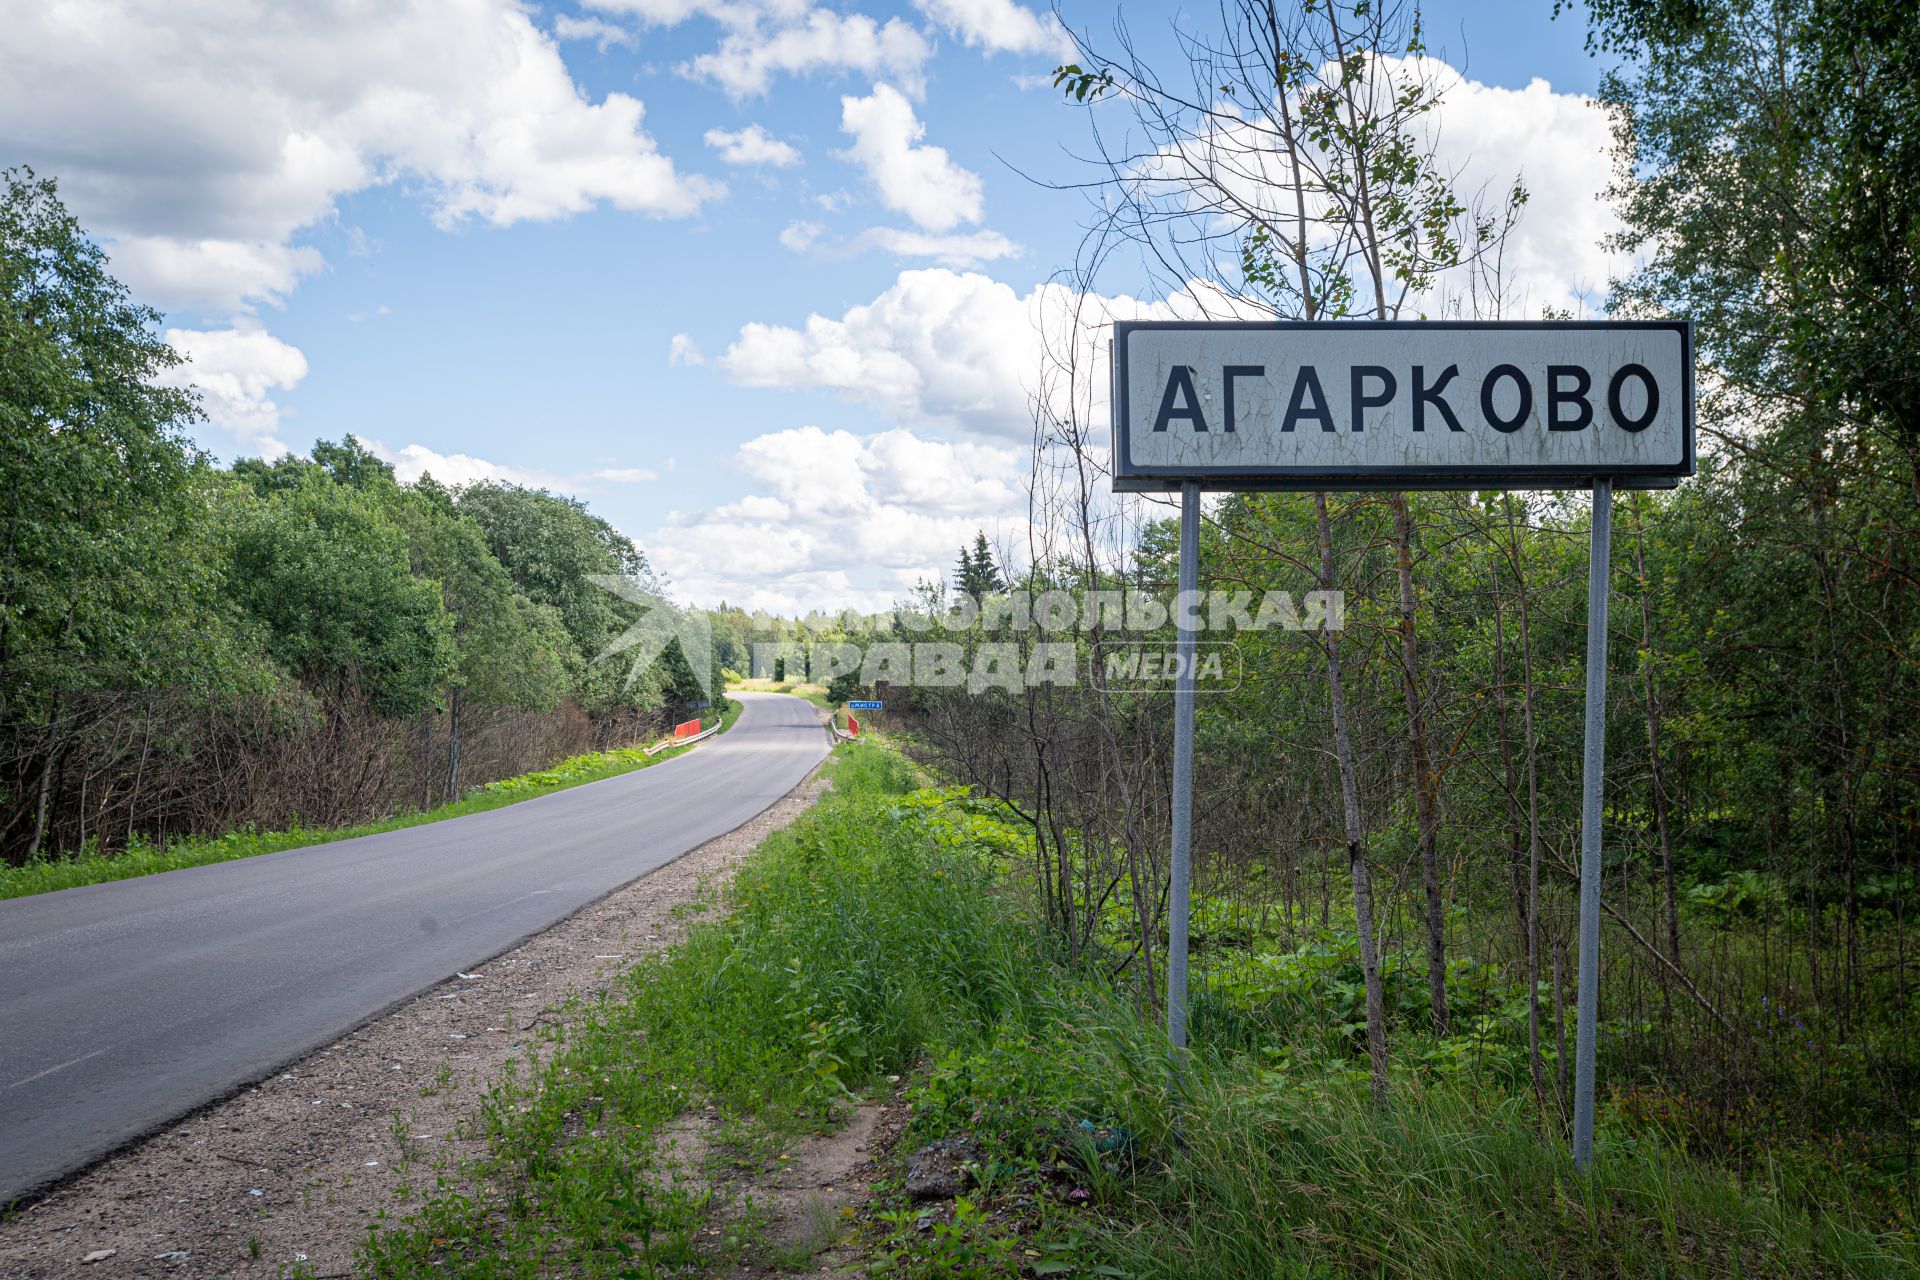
[125,1005]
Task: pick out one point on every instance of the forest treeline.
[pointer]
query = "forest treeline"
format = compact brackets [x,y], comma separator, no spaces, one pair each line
[186,648]
[1419,771]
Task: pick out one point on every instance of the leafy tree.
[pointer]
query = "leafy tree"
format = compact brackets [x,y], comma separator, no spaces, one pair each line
[98,483]
[553,548]
[325,570]
[508,650]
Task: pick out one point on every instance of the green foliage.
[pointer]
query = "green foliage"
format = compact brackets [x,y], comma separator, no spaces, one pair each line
[98,484]
[977,575]
[324,569]
[848,946]
[888,925]
[169,633]
[508,651]
[552,547]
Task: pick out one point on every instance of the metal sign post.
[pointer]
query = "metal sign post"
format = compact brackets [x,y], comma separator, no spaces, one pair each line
[1463,405]
[1591,770]
[1181,863]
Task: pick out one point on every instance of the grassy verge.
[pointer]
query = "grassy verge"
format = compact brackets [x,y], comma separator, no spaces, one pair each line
[144,859]
[886,933]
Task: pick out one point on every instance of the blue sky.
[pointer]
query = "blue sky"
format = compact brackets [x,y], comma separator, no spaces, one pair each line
[499,240]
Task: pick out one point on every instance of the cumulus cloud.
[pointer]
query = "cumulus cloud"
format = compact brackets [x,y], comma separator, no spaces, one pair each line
[961,250]
[999,26]
[958,350]
[826,505]
[683,350]
[412,461]
[209,275]
[807,41]
[200,148]
[752,145]
[920,181]
[1556,144]
[801,236]
[236,371]
[603,33]
[1483,138]
[953,350]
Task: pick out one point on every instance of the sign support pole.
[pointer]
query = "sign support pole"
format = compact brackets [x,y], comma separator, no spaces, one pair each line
[1592,769]
[1179,871]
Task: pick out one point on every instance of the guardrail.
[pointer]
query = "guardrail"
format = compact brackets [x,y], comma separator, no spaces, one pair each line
[664,743]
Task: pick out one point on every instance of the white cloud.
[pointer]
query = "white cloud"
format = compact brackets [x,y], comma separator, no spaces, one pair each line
[958,350]
[209,275]
[202,146]
[752,145]
[603,34]
[920,181]
[1482,138]
[683,350]
[668,13]
[801,236]
[963,250]
[412,461]
[235,371]
[999,26]
[1557,144]
[806,40]
[838,520]
[938,347]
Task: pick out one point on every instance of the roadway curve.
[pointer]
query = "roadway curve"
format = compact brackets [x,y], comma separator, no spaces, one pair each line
[128,1004]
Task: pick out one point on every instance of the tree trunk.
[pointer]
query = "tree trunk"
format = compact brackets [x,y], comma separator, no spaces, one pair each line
[40,808]
[1425,800]
[1350,813]
[1533,840]
[453,746]
[1657,775]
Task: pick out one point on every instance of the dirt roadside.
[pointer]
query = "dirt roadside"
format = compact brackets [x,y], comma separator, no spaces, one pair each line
[292,1171]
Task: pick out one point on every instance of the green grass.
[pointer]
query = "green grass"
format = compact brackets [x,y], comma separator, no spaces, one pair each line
[846,950]
[887,932]
[144,858]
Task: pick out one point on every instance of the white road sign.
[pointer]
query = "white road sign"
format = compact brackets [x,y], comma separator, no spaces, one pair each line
[1403,405]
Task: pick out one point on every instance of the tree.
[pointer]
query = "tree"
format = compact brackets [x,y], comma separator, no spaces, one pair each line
[1769,175]
[553,548]
[97,484]
[507,649]
[977,575]
[1291,176]
[325,570]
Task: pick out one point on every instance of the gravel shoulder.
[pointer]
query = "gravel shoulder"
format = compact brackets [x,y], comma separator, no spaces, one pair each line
[291,1171]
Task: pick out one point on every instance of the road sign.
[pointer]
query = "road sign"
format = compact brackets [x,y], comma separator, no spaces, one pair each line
[868,706]
[1405,405]
[1402,404]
